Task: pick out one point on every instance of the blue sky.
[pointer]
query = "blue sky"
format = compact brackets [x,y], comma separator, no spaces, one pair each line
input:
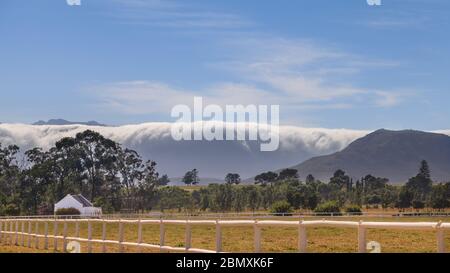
[333,64]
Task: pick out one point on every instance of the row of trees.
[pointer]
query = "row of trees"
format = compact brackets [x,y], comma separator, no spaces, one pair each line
[118,179]
[99,168]
[271,188]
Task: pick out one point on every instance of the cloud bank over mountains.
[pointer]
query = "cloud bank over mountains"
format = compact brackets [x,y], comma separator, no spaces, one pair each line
[213,159]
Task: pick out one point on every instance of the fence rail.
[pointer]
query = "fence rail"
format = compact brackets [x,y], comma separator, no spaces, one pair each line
[245,215]
[10,232]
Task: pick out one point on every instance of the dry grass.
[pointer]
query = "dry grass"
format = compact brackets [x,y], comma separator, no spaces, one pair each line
[240,239]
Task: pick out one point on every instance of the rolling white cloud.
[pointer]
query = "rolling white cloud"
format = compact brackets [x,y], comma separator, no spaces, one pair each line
[213,159]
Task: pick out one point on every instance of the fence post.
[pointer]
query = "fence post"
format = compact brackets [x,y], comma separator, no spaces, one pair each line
[77,229]
[46,235]
[104,236]
[218,237]
[188,238]
[120,236]
[257,239]
[361,238]
[139,236]
[29,233]
[10,232]
[22,238]
[16,238]
[36,233]
[89,246]
[440,238]
[65,236]
[162,234]
[55,233]
[5,235]
[302,239]
[1,231]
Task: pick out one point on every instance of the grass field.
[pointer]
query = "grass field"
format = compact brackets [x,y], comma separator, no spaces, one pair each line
[275,239]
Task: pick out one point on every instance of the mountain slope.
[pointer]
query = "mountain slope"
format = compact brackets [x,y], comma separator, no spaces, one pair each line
[392,154]
[66,122]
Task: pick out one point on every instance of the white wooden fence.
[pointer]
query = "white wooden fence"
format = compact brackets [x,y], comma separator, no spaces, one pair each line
[15,231]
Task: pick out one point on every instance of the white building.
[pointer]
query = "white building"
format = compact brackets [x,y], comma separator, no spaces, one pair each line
[80,203]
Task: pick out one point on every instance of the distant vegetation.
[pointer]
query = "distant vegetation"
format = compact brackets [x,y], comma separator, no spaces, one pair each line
[67,211]
[118,179]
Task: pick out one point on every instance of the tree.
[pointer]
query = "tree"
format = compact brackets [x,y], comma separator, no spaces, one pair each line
[148,186]
[420,185]
[221,197]
[405,198]
[439,198]
[195,178]
[266,178]
[418,204]
[173,198]
[311,199]
[10,180]
[130,167]
[372,184]
[98,158]
[253,197]
[233,178]
[191,177]
[329,208]
[425,170]
[310,179]
[288,174]
[238,199]
[388,196]
[163,180]
[340,179]
[281,208]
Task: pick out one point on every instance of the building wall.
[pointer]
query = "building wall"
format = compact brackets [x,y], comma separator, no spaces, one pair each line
[68,202]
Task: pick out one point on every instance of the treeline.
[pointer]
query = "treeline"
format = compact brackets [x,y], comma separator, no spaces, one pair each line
[119,180]
[283,191]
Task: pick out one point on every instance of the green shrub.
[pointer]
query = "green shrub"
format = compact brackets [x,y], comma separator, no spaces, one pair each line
[281,207]
[67,211]
[353,210]
[10,210]
[328,208]
[417,204]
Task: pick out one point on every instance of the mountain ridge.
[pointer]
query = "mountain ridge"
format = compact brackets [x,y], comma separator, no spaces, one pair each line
[386,153]
[60,121]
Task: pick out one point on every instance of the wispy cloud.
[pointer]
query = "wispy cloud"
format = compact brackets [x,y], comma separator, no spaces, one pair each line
[305,72]
[147,97]
[138,97]
[392,23]
[298,74]
[289,73]
[173,14]
[392,98]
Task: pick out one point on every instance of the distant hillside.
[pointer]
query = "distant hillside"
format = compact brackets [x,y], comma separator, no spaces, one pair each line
[392,154]
[65,122]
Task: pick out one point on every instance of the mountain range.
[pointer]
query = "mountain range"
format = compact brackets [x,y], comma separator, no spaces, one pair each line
[391,154]
[66,122]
